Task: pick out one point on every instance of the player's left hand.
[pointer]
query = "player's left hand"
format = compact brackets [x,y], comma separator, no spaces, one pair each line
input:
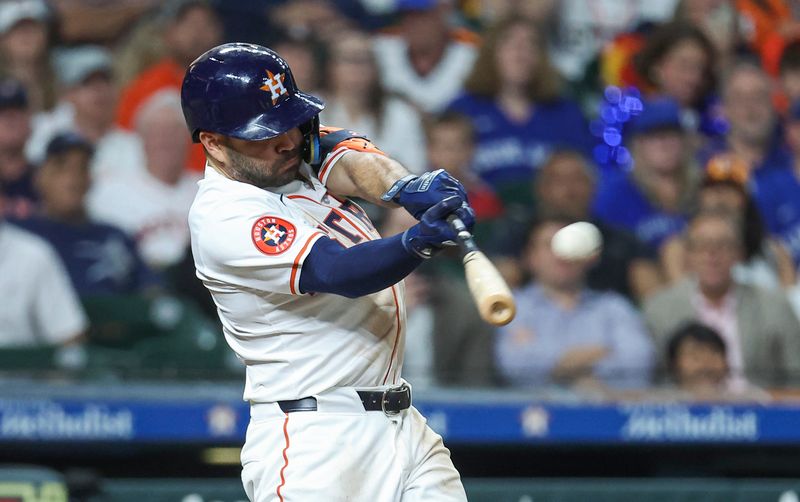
[433,231]
[417,194]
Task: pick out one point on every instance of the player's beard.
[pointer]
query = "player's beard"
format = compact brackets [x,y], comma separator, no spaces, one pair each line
[262,173]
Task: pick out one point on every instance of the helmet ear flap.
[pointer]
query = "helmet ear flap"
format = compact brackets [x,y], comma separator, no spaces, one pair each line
[310,132]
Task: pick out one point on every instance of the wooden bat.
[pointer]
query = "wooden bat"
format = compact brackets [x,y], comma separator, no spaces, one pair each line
[489,291]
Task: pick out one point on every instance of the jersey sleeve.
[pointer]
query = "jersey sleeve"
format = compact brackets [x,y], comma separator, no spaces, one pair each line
[335,142]
[262,249]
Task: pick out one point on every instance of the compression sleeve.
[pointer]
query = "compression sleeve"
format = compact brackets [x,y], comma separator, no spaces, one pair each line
[360,270]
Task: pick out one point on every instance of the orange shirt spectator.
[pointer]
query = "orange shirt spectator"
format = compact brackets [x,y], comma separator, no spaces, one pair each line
[186,29]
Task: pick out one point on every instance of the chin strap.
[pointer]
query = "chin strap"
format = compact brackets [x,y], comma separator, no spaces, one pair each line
[311,153]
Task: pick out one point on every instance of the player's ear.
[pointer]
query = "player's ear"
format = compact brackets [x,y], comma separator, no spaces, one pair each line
[213,145]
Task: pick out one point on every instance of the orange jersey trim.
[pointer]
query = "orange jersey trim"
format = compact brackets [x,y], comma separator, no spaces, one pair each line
[396,336]
[296,265]
[285,456]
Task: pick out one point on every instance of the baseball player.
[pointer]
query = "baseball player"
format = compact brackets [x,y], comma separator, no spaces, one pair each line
[309,295]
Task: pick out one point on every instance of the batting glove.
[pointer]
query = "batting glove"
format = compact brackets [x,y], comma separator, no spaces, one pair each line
[417,194]
[433,231]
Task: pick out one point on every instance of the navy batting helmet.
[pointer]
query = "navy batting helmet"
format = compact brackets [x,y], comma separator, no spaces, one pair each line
[247,91]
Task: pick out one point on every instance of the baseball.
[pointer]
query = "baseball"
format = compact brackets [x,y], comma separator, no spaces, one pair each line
[577,241]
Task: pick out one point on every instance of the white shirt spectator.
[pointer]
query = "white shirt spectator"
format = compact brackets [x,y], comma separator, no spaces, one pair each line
[399,131]
[431,92]
[154,213]
[116,152]
[39,306]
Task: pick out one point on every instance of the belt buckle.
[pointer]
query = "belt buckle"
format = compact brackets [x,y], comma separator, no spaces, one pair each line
[384,400]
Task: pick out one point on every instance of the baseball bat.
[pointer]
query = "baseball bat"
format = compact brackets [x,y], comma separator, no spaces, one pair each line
[489,291]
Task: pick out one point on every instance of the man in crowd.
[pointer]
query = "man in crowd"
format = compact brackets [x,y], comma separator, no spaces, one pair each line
[759,327]
[567,333]
[99,258]
[152,204]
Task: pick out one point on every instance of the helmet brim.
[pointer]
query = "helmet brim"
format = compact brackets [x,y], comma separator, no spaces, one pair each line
[293,111]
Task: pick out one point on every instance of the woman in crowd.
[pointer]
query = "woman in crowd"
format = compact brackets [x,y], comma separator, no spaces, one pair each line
[356,100]
[514,99]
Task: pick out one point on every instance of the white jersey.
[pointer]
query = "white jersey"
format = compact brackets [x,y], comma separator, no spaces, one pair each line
[249,246]
[149,210]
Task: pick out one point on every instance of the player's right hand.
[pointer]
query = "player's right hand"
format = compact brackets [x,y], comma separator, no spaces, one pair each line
[418,194]
[433,231]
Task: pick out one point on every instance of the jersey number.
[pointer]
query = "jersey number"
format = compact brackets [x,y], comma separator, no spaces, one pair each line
[332,221]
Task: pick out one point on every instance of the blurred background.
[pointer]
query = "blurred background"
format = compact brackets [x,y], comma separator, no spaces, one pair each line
[667,368]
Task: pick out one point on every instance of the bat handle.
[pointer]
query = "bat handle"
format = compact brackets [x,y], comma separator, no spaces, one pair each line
[465,240]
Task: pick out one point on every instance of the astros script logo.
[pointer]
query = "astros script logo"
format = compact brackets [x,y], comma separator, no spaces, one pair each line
[275,86]
[273,235]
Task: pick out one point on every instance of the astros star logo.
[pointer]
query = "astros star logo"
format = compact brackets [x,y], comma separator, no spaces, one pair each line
[275,86]
[273,235]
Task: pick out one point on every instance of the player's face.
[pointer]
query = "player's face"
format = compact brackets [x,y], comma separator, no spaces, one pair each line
[269,163]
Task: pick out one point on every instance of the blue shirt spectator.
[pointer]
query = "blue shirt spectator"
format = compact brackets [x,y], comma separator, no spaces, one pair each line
[513,97]
[621,203]
[508,150]
[99,258]
[653,199]
[565,332]
[777,194]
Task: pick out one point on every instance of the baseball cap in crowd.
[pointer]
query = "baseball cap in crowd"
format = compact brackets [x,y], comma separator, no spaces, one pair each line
[74,65]
[726,167]
[14,11]
[12,94]
[68,141]
[415,5]
[658,114]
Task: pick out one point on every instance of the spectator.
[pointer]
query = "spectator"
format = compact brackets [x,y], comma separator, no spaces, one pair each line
[653,199]
[39,307]
[718,21]
[186,29]
[306,54]
[678,62]
[585,26]
[425,61]
[758,326]
[447,343]
[789,74]
[753,133]
[152,204]
[451,146]
[697,363]
[778,191]
[513,97]
[25,35]
[100,259]
[766,262]
[16,175]
[357,101]
[770,24]
[323,19]
[565,332]
[540,12]
[565,186]
[87,109]
[82,22]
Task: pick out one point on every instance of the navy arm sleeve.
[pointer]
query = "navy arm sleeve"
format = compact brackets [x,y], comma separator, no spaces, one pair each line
[356,271]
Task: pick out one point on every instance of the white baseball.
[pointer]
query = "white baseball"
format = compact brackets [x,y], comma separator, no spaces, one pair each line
[577,241]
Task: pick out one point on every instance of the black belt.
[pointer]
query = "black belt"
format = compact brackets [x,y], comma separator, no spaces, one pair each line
[390,401]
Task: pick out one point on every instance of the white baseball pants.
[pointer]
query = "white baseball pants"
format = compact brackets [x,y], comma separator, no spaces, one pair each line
[342,453]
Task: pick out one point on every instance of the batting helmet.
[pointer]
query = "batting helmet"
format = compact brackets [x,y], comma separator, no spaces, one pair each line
[247,91]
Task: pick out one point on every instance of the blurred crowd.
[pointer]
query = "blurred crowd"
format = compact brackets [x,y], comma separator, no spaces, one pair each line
[672,125]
